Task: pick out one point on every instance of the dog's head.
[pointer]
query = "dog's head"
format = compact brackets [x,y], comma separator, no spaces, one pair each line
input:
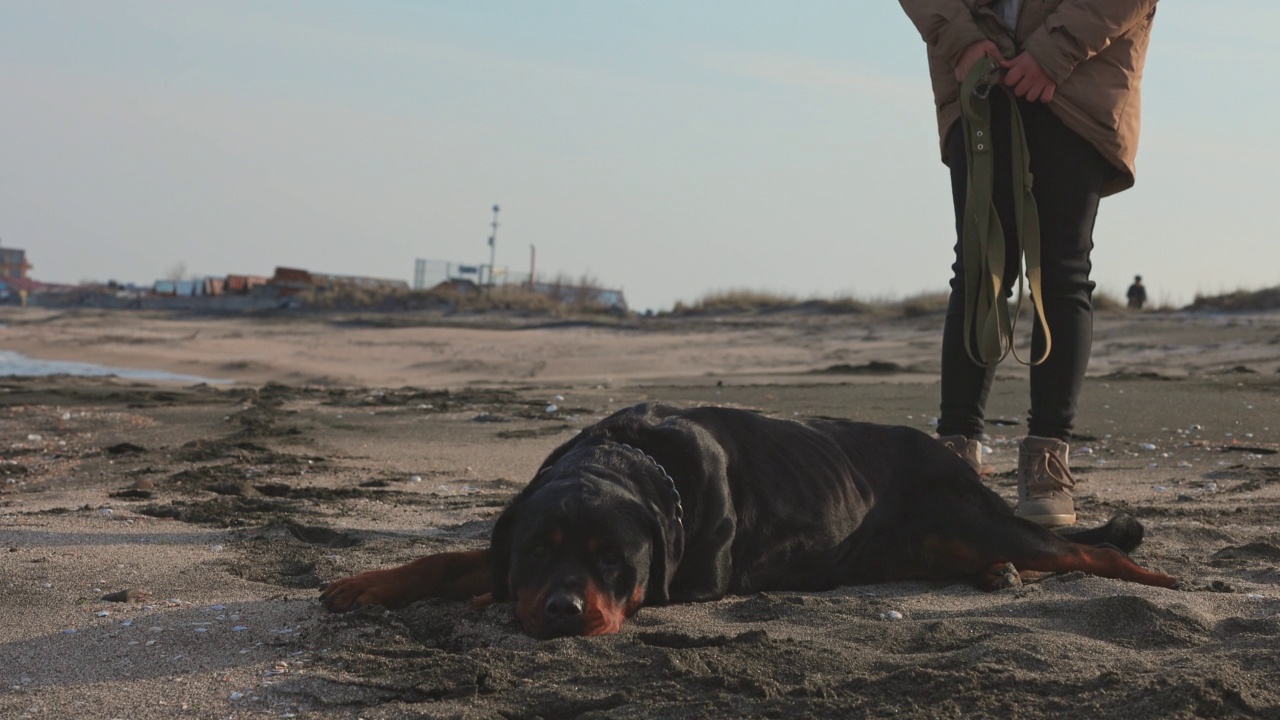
[584,546]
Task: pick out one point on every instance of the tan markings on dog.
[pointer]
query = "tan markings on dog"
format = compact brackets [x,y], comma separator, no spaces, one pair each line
[1103,562]
[604,614]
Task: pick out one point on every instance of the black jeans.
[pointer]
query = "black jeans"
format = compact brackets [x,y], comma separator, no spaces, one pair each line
[1068,177]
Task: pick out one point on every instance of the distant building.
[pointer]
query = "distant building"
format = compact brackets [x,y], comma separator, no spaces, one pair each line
[13,263]
[243,284]
[290,281]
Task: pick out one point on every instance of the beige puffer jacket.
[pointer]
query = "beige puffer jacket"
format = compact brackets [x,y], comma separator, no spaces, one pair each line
[1093,49]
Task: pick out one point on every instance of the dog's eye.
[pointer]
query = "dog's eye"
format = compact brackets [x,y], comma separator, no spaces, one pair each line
[610,561]
[541,552]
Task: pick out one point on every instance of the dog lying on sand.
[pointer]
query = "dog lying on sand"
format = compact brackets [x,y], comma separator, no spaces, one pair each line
[657,504]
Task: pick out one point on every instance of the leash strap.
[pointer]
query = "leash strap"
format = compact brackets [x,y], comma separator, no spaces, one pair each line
[988,324]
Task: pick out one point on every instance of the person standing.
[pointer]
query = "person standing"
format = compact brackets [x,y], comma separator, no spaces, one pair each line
[1137,294]
[1075,69]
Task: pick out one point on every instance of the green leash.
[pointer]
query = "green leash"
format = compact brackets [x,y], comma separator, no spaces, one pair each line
[988,325]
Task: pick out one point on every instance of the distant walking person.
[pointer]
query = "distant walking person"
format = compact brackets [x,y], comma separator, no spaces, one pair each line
[1075,67]
[1137,294]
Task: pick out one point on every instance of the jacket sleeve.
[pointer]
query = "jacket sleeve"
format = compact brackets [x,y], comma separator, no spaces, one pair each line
[1079,29]
[946,25]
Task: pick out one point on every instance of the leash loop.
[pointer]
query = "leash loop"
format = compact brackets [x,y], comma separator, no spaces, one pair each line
[988,323]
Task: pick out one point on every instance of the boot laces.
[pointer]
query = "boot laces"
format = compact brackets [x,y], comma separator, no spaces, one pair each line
[1049,474]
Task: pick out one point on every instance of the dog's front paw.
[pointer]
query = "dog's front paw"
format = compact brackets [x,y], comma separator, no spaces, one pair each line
[376,587]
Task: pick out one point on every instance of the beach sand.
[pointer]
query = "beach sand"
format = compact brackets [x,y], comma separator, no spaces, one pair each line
[342,444]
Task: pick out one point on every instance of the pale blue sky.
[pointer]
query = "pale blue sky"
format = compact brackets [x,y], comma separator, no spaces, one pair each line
[669,148]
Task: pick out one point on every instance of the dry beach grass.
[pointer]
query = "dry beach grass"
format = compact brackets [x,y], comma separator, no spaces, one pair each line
[344,444]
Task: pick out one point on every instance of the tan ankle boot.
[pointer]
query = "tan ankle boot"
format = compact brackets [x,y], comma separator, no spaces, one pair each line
[1045,482]
[968,449]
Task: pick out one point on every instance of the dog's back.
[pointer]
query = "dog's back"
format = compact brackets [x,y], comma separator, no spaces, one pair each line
[806,495]
[822,502]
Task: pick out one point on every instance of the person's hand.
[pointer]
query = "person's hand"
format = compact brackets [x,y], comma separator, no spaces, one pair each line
[973,53]
[1028,81]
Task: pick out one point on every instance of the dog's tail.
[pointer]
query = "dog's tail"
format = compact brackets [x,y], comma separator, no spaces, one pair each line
[1123,532]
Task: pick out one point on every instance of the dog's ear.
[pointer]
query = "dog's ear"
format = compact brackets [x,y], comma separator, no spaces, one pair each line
[500,550]
[698,464]
[500,541]
[664,557]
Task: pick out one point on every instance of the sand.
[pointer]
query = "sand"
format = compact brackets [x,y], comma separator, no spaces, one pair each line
[346,443]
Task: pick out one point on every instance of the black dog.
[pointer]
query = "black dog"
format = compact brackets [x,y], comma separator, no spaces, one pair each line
[656,504]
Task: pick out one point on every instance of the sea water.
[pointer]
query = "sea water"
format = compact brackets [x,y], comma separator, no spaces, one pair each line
[12,363]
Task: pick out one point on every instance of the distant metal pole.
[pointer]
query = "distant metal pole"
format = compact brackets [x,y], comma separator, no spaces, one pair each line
[493,244]
[533,265]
